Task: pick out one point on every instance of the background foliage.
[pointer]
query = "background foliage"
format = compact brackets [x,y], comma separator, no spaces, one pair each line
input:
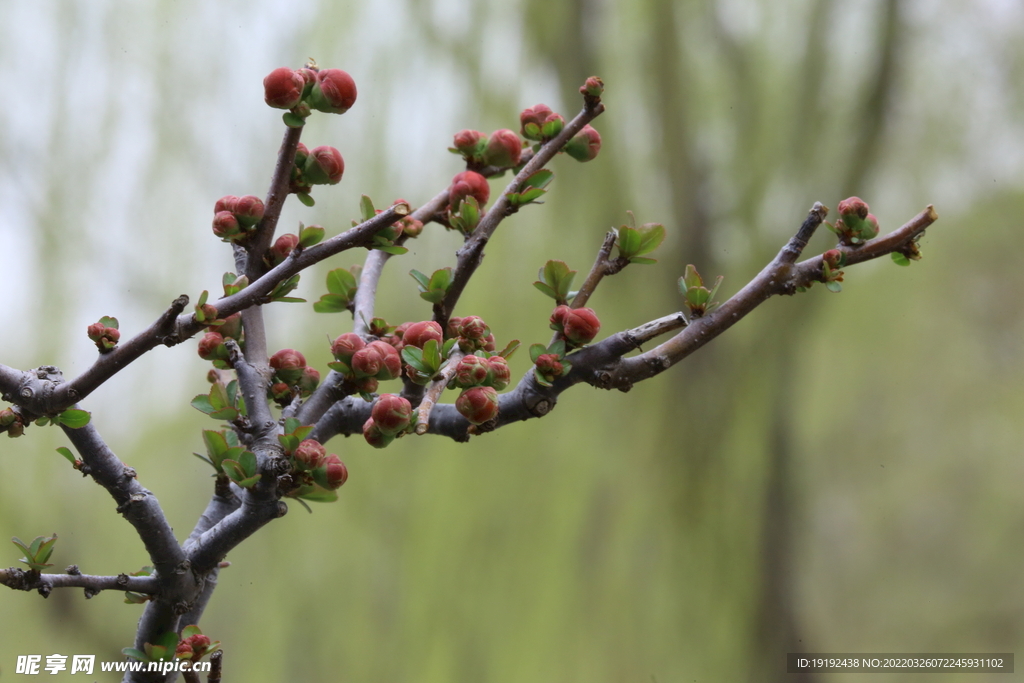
[838,473]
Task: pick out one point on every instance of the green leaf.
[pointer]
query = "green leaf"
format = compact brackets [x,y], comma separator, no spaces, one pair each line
[288,442]
[249,482]
[289,300]
[539,179]
[219,396]
[366,210]
[108,321]
[248,463]
[536,351]
[202,298]
[441,279]
[66,452]
[509,349]
[714,290]
[651,237]
[530,195]
[332,303]
[302,432]
[74,418]
[446,350]
[293,120]
[691,277]
[305,198]
[339,366]
[131,598]
[318,494]
[557,348]
[540,378]
[435,296]
[546,289]
[642,260]
[42,422]
[421,278]
[393,250]
[189,631]
[233,470]
[414,356]
[629,242]
[900,259]
[228,414]
[341,281]
[202,404]
[834,286]
[138,655]
[310,236]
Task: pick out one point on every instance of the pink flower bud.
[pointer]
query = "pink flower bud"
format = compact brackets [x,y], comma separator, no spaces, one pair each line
[473,327]
[418,334]
[379,360]
[282,88]
[498,373]
[391,413]
[225,225]
[452,330]
[593,87]
[391,361]
[478,405]
[232,326]
[375,436]
[832,257]
[95,331]
[226,203]
[504,149]
[488,342]
[287,365]
[470,372]
[578,326]
[334,91]
[366,385]
[532,119]
[211,347]
[468,184]
[281,392]
[308,79]
[853,206]
[346,345]
[309,455]
[470,143]
[324,166]
[309,381]
[283,246]
[410,226]
[549,366]
[585,145]
[337,473]
[249,210]
[105,337]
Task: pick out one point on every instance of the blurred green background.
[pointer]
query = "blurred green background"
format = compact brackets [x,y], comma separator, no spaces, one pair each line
[838,473]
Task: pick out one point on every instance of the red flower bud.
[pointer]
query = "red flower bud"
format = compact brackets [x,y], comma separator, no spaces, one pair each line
[308,381]
[337,473]
[232,326]
[478,405]
[418,334]
[324,166]
[549,366]
[287,365]
[391,413]
[308,79]
[489,346]
[473,327]
[832,257]
[578,326]
[375,436]
[379,360]
[225,225]
[281,392]
[532,119]
[366,385]
[248,210]
[503,149]
[498,373]
[468,184]
[585,145]
[391,361]
[470,143]
[853,206]
[282,88]
[452,330]
[593,87]
[334,91]
[410,226]
[309,455]
[346,345]
[470,372]
[211,347]
[283,246]
[226,203]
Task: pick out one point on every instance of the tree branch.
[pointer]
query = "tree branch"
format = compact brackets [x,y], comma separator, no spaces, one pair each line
[259,244]
[19,579]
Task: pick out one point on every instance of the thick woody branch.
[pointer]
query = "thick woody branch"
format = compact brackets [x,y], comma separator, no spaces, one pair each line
[253,372]
[214,544]
[19,579]
[471,254]
[781,276]
[10,380]
[278,192]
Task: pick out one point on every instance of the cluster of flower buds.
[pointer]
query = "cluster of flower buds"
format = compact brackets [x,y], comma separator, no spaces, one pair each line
[291,376]
[282,247]
[478,404]
[194,647]
[539,123]
[577,326]
[831,261]
[855,224]
[11,423]
[474,371]
[364,365]
[549,367]
[472,334]
[321,166]
[391,415]
[104,333]
[235,217]
[503,149]
[311,464]
[301,90]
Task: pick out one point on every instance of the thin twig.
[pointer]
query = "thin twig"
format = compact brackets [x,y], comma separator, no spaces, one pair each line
[20,579]
[434,390]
